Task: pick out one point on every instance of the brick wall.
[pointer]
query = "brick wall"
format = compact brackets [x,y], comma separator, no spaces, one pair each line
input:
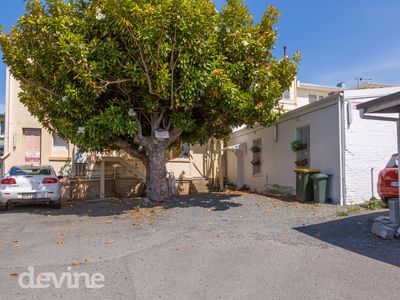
[368,144]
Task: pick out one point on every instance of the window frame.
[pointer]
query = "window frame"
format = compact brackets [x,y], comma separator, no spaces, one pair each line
[257,171]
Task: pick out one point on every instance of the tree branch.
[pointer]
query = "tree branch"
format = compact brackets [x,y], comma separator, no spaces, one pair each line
[107,83]
[145,68]
[127,147]
[40,87]
[173,135]
[158,119]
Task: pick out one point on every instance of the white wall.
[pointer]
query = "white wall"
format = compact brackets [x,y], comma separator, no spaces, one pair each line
[369,144]
[277,157]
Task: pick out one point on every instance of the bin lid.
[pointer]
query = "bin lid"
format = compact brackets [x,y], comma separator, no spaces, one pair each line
[307,171]
[320,176]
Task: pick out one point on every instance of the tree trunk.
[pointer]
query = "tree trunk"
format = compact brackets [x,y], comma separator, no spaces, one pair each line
[156,178]
[157,189]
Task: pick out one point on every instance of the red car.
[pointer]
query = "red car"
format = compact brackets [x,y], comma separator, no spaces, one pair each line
[388,183]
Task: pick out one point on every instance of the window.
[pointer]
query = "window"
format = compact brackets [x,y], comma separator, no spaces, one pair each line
[256,161]
[303,156]
[286,94]
[80,169]
[312,98]
[2,126]
[321,97]
[59,143]
[25,170]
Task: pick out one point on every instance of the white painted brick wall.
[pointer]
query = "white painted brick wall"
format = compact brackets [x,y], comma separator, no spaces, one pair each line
[369,144]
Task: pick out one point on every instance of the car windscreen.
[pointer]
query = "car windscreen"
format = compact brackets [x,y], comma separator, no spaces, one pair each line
[393,162]
[29,171]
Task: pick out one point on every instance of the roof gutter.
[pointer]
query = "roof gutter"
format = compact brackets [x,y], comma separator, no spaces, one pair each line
[364,115]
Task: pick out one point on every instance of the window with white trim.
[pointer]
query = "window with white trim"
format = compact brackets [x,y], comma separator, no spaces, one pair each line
[303,155]
[59,143]
[312,98]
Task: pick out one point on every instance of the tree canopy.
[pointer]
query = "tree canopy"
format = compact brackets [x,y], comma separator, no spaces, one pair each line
[107,74]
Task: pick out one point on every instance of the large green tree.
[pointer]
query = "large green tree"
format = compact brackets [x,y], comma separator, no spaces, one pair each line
[139,74]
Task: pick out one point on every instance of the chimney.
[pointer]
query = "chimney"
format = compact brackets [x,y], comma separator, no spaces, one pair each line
[284,51]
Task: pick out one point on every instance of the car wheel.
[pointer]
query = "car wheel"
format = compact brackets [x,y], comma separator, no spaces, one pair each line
[56,205]
[8,206]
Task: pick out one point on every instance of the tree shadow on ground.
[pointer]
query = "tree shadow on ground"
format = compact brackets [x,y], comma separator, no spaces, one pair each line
[216,202]
[354,234]
[115,207]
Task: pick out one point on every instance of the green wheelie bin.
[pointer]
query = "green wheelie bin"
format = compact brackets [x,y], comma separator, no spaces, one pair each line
[304,184]
[320,187]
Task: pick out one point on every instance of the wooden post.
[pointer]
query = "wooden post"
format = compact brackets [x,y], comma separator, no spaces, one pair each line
[102,179]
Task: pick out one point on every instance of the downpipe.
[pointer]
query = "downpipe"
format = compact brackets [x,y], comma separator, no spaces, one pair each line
[341,149]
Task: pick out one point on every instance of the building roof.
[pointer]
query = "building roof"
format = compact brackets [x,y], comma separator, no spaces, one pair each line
[326,88]
[386,104]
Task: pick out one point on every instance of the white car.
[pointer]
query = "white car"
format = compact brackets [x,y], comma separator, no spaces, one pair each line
[30,184]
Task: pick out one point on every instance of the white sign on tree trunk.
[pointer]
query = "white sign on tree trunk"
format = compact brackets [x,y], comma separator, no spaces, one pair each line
[162,135]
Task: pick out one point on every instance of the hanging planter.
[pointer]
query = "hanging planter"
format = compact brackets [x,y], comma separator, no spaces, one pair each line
[301,163]
[255,162]
[298,145]
[255,149]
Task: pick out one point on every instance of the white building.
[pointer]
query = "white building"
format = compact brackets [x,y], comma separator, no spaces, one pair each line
[300,94]
[339,143]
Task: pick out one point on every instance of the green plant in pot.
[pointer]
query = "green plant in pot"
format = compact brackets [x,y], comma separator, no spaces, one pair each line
[255,149]
[298,145]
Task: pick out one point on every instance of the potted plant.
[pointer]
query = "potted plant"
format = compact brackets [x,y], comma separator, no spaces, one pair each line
[256,161]
[301,163]
[298,145]
[255,149]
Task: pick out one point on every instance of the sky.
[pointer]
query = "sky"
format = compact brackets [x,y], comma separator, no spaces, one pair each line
[339,40]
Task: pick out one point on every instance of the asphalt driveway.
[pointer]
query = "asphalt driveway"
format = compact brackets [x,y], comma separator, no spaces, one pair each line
[217,246]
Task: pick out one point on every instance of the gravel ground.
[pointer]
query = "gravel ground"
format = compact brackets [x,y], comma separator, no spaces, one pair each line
[211,246]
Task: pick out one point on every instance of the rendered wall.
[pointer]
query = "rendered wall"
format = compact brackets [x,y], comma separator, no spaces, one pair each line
[277,158]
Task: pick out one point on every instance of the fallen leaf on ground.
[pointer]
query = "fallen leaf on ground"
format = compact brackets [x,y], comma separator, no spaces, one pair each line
[60,242]
[138,217]
[13,274]
[62,234]
[88,260]
[76,263]
[151,222]
[109,242]
[178,248]
[109,221]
